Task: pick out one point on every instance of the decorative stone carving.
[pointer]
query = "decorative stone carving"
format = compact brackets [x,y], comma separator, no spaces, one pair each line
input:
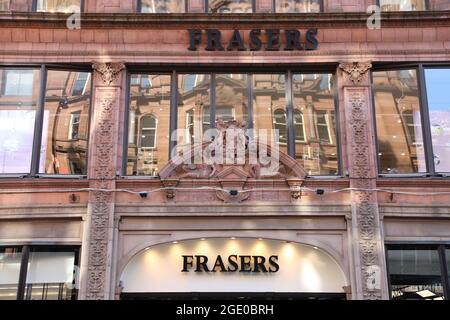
[108,71]
[365,207]
[242,160]
[355,70]
[102,175]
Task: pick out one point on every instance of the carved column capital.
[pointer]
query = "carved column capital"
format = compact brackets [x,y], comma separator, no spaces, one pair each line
[108,71]
[355,71]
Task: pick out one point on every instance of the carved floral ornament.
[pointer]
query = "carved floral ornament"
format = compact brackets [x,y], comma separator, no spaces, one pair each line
[108,71]
[237,169]
[355,70]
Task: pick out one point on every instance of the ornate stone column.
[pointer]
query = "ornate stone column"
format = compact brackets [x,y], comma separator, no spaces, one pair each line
[367,242]
[103,151]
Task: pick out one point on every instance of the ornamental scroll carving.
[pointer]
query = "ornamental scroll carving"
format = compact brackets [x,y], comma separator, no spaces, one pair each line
[355,70]
[108,71]
[103,173]
[243,161]
[365,202]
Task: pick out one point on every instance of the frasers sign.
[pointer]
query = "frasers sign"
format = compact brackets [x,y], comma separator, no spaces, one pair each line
[256,40]
[232,265]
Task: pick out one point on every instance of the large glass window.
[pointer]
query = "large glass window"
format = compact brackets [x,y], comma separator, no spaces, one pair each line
[10,259]
[231,6]
[149,113]
[260,100]
[415,272]
[4,5]
[19,92]
[398,122]
[162,6]
[58,5]
[269,107]
[66,123]
[438,97]
[403,5]
[193,107]
[231,97]
[51,273]
[315,144]
[298,6]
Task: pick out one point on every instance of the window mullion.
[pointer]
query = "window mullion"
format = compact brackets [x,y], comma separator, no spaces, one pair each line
[250,100]
[426,131]
[173,112]
[126,124]
[444,271]
[35,158]
[23,272]
[212,107]
[290,115]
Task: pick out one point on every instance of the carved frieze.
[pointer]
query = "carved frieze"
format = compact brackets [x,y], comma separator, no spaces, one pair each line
[108,71]
[355,71]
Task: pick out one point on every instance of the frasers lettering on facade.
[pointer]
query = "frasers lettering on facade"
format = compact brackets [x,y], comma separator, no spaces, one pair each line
[274,40]
[234,263]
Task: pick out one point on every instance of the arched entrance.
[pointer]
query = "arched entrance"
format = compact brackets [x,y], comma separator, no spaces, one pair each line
[221,268]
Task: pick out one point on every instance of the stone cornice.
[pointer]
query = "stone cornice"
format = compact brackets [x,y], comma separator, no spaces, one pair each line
[225,21]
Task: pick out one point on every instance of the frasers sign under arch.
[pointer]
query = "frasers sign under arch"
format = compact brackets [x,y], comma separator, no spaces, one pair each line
[232,265]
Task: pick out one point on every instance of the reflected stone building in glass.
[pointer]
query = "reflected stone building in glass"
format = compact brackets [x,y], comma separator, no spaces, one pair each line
[188,148]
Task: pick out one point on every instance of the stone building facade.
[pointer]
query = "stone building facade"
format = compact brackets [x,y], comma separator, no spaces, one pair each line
[93,177]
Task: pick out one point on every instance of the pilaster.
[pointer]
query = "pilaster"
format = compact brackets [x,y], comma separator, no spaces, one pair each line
[367,244]
[98,244]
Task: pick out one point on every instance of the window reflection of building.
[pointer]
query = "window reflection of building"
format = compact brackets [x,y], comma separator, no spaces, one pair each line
[398,122]
[66,123]
[230,6]
[148,135]
[4,5]
[403,5]
[290,6]
[19,92]
[162,6]
[57,5]
[314,98]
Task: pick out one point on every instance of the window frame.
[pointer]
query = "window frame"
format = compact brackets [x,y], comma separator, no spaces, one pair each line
[26,249]
[274,6]
[440,247]
[424,115]
[427,7]
[39,118]
[35,3]
[212,70]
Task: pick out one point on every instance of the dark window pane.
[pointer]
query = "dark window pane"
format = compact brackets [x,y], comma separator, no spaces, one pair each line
[438,96]
[65,130]
[298,5]
[398,121]
[269,108]
[148,134]
[403,5]
[415,273]
[231,6]
[193,108]
[314,99]
[58,5]
[50,276]
[19,91]
[162,6]
[10,259]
